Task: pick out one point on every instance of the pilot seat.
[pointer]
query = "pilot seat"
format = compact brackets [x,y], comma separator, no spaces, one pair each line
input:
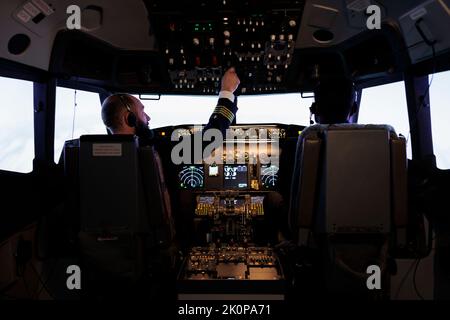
[348,209]
[126,233]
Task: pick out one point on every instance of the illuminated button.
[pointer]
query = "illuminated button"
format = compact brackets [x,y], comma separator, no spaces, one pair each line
[227,43]
[227,34]
[182,51]
[290,37]
[211,41]
[272,37]
[171,61]
[167,51]
[196,41]
[281,37]
[292,23]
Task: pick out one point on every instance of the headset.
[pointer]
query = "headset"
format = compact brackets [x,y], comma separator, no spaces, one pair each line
[131,117]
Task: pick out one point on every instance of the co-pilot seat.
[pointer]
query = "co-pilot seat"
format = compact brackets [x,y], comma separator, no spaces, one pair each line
[126,231]
[349,202]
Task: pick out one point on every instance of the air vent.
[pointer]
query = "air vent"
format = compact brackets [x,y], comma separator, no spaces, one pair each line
[18,43]
[323,36]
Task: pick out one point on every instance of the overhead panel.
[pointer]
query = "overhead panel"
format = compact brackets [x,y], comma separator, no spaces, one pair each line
[425,27]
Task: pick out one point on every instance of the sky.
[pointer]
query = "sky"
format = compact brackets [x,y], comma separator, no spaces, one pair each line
[380,105]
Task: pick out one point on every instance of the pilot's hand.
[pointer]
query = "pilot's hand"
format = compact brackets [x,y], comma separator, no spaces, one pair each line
[230,80]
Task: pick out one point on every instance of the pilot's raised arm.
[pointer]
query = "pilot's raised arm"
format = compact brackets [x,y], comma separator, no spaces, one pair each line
[226,108]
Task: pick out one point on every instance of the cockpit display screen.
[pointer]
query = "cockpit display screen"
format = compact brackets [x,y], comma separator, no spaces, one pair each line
[191,177]
[235,176]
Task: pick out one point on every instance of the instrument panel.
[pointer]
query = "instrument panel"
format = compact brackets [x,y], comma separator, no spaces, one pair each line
[201,41]
[249,159]
[228,177]
[232,263]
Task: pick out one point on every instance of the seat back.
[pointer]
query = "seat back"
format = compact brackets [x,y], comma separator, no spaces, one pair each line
[348,179]
[109,184]
[349,201]
[126,224]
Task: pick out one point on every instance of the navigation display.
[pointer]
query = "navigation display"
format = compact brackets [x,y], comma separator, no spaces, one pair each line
[191,177]
[235,176]
[269,176]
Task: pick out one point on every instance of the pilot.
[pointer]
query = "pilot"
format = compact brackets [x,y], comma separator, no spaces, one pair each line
[335,101]
[124,114]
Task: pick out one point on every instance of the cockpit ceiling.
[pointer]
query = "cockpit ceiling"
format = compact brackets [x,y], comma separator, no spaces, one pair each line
[125,24]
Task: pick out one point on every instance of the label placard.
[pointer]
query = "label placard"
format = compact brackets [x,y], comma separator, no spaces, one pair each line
[107,150]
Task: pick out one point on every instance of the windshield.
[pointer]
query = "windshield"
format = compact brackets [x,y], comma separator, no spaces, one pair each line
[279,108]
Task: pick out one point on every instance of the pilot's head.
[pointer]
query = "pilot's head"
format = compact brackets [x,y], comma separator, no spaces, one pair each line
[124,114]
[335,101]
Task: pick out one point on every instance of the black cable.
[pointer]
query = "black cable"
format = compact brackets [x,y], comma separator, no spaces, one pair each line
[426,93]
[50,274]
[402,282]
[42,283]
[30,296]
[414,280]
[3,291]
